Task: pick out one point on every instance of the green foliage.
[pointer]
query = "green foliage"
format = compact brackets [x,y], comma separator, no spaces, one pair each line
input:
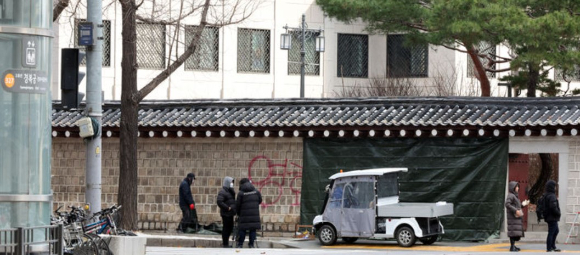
[539,33]
[547,86]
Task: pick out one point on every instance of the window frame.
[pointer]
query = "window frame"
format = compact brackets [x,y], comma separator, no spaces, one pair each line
[343,58]
[249,62]
[311,68]
[190,64]
[394,52]
[471,66]
[162,56]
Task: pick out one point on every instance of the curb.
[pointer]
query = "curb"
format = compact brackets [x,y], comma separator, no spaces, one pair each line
[201,242]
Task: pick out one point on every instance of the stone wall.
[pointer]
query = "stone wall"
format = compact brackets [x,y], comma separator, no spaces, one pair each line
[273,164]
[573,205]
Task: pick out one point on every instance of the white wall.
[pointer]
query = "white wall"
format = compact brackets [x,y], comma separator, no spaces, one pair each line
[568,158]
[228,83]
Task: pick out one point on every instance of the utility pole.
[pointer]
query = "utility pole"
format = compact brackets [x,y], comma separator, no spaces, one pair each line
[94,106]
[286,44]
[302,54]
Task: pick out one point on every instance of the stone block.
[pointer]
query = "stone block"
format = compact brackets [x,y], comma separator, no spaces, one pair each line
[127,245]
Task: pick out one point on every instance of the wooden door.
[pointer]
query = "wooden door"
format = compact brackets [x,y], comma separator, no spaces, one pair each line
[518,171]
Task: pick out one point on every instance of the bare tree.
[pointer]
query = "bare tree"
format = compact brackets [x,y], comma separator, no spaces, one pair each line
[59,7]
[382,87]
[443,83]
[172,14]
[214,13]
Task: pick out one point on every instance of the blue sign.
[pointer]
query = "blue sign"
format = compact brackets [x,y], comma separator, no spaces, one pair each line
[86,34]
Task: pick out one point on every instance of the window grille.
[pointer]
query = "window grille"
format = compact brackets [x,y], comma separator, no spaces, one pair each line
[352,55]
[253,50]
[311,56]
[484,48]
[406,61]
[106,41]
[150,46]
[573,75]
[206,57]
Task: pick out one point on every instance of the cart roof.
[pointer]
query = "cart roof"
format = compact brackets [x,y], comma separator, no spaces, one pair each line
[367,172]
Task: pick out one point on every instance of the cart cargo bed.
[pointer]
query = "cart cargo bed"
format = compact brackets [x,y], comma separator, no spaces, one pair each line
[409,210]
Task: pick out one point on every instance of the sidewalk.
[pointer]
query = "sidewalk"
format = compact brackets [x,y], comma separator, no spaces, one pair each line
[174,239]
[179,240]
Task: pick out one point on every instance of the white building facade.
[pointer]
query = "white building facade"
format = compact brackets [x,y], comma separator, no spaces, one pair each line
[244,60]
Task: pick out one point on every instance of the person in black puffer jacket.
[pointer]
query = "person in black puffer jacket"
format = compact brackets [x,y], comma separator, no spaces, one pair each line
[248,210]
[551,215]
[186,203]
[226,201]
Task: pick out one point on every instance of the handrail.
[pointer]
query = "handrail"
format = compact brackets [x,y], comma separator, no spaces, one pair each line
[19,240]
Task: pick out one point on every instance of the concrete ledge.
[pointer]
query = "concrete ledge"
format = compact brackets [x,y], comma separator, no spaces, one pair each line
[126,245]
[205,242]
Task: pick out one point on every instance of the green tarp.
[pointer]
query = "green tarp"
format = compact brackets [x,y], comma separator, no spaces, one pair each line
[468,172]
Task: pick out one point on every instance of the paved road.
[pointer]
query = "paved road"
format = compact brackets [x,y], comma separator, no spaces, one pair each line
[308,247]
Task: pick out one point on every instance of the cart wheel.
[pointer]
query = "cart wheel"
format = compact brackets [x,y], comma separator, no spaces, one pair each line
[327,235]
[429,240]
[406,237]
[349,240]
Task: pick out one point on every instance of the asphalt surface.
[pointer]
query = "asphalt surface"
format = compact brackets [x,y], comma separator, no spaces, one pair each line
[290,246]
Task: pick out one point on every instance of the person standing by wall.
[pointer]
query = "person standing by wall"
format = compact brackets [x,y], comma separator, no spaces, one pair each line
[226,201]
[248,210]
[186,203]
[551,215]
[514,215]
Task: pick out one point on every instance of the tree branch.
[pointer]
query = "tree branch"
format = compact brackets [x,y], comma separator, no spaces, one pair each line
[188,52]
[454,48]
[167,22]
[59,8]
[497,70]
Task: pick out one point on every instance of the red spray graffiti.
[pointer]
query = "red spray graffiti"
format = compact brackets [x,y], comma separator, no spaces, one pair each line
[274,171]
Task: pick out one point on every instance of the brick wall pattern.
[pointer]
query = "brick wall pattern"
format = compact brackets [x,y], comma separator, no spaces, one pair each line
[573,205]
[273,164]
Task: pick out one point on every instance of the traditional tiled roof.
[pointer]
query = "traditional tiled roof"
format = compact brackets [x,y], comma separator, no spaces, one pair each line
[334,114]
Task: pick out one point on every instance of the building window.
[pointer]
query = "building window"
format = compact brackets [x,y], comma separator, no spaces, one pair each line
[311,56]
[106,41]
[253,50]
[483,48]
[568,76]
[206,57]
[353,55]
[150,46]
[406,61]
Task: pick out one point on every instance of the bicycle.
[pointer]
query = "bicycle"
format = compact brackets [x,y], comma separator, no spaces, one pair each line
[106,223]
[75,239]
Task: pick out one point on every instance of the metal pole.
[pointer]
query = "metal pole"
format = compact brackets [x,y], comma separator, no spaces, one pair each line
[302,53]
[94,106]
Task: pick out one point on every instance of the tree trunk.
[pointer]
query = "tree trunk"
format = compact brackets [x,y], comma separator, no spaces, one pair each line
[534,77]
[480,72]
[127,196]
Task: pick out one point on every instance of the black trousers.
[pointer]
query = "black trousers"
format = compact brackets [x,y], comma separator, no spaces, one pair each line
[185,221]
[228,222]
[553,231]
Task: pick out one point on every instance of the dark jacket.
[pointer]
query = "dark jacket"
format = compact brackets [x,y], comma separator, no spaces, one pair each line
[248,207]
[552,206]
[512,204]
[227,198]
[185,197]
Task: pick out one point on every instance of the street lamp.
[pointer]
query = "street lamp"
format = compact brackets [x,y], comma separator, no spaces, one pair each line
[286,44]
